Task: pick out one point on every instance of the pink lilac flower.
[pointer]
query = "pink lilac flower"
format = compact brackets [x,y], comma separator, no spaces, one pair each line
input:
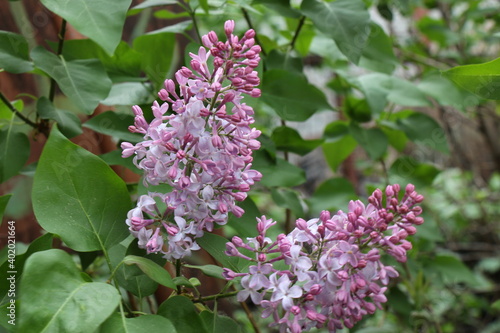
[199,142]
[334,275]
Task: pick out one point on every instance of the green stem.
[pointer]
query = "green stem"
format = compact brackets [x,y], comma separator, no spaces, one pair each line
[214,297]
[178,266]
[297,32]
[59,52]
[17,113]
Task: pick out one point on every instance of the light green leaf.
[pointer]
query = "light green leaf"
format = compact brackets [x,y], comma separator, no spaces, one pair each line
[92,201]
[174,28]
[380,88]
[288,139]
[5,111]
[182,313]
[291,96]
[445,92]
[378,54]
[336,152]
[347,22]
[450,269]
[151,269]
[209,270]
[68,122]
[55,298]
[14,53]
[129,93]
[141,324]
[480,79]
[101,21]
[113,124]
[282,7]
[85,82]
[150,46]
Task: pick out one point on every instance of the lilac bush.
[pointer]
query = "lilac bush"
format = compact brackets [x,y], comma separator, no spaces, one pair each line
[333,273]
[203,149]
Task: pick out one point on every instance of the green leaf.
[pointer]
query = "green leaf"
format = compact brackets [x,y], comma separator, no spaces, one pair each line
[480,79]
[278,172]
[14,53]
[450,269]
[423,129]
[113,124]
[288,139]
[345,21]
[219,324]
[100,21]
[177,28]
[336,152]
[291,96]
[115,158]
[332,195]
[150,3]
[129,93]
[85,82]
[445,92]
[69,123]
[92,201]
[380,88]
[141,324]
[288,198]
[14,152]
[182,313]
[132,278]
[6,113]
[407,170]
[378,54]
[357,109]
[150,46]
[4,200]
[373,140]
[397,138]
[278,60]
[151,269]
[245,226]
[55,298]
[209,270]
[282,7]
[42,243]
[216,246]
[123,65]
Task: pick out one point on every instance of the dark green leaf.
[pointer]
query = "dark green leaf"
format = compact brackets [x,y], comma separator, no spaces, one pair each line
[291,96]
[480,79]
[68,122]
[4,200]
[332,195]
[123,65]
[378,54]
[285,61]
[100,21]
[397,138]
[216,246]
[182,313]
[14,152]
[215,323]
[336,130]
[357,109]
[145,323]
[245,226]
[55,298]
[84,81]
[451,270]
[422,129]
[373,140]
[288,198]
[407,170]
[113,124]
[345,21]
[115,158]
[288,139]
[151,269]
[278,172]
[92,201]
[282,7]
[14,53]
[150,46]
[177,28]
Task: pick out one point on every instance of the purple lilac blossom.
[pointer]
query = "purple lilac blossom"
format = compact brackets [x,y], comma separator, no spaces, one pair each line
[334,275]
[202,148]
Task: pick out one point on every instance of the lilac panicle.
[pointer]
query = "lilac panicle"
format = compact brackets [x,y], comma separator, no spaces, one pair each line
[334,275]
[200,142]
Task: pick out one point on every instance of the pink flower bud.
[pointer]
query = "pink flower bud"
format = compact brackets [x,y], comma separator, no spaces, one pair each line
[229,27]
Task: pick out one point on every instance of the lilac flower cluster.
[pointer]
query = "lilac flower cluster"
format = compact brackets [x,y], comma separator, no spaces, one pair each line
[333,275]
[200,143]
